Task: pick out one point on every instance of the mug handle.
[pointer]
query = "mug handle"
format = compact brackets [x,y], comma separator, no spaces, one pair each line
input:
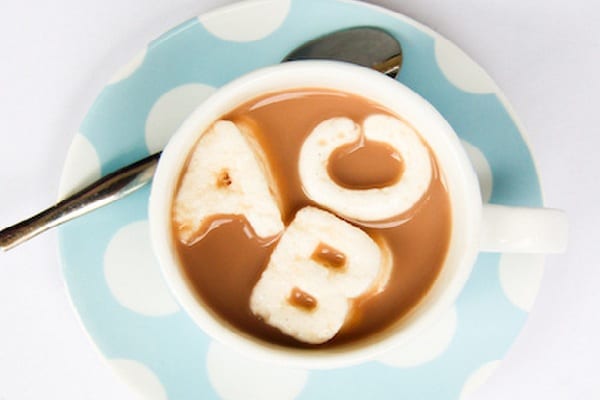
[523,230]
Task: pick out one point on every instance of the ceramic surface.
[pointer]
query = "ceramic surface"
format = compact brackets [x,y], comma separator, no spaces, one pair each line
[115,283]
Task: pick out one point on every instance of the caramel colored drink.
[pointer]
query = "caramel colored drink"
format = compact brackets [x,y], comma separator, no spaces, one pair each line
[225,261]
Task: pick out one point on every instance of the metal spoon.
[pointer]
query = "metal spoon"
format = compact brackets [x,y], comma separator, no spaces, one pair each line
[366,46]
[369,47]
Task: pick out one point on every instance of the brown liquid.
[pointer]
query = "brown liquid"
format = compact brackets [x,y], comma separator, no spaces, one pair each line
[328,256]
[300,298]
[225,264]
[365,165]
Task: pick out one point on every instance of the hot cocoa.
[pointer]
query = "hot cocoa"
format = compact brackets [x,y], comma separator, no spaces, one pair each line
[274,254]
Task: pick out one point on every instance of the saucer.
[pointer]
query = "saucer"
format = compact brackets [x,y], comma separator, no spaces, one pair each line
[115,283]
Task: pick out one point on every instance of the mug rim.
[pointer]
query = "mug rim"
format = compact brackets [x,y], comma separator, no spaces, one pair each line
[454,165]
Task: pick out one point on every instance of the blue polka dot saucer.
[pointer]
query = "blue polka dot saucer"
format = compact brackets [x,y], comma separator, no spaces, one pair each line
[115,283]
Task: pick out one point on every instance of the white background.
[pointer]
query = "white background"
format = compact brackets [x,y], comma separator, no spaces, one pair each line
[56,55]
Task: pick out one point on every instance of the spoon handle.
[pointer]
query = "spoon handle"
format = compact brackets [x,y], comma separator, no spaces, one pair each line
[102,192]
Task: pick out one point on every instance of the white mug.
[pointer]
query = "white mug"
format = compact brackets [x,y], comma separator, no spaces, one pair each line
[475,226]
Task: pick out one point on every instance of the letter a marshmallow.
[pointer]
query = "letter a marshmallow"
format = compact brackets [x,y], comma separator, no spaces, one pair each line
[226,175]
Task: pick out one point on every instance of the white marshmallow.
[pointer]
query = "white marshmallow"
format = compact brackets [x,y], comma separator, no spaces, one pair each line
[227,174]
[369,204]
[291,266]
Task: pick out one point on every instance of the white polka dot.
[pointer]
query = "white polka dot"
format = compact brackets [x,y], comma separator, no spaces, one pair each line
[235,377]
[478,378]
[170,110]
[140,378]
[128,69]
[247,21]
[460,70]
[132,272]
[81,168]
[427,346]
[521,277]
[482,168]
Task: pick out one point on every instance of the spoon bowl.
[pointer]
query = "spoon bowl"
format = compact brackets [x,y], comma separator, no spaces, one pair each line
[367,46]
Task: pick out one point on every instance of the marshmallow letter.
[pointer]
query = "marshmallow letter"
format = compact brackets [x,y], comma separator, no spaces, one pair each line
[319,264]
[226,175]
[366,204]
